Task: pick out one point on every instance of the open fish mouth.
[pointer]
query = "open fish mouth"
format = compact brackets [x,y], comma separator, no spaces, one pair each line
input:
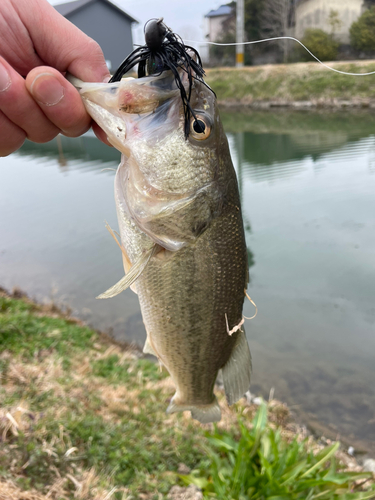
[131,109]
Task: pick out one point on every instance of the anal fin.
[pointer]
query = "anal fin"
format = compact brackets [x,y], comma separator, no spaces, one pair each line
[203,413]
[147,348]
[134,273]
[237,370]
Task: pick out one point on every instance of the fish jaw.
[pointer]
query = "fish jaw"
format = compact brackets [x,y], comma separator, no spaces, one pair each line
[132,108]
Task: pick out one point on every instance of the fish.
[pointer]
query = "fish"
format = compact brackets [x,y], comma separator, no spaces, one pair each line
[181,232]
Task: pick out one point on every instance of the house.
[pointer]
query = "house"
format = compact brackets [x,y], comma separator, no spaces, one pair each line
[106,23]
[214,22]
[316,14]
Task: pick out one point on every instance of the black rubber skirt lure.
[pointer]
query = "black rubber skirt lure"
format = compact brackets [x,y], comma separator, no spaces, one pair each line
[164,50]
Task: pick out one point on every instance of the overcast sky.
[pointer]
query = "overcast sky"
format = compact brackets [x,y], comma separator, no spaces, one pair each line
[185,17]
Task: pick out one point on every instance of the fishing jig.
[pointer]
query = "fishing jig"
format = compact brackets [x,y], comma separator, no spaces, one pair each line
[165,50]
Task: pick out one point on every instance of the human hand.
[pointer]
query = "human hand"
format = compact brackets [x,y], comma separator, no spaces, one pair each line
[38,43]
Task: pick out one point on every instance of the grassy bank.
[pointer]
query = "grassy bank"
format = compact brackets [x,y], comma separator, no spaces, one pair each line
[83,418]
[300,84]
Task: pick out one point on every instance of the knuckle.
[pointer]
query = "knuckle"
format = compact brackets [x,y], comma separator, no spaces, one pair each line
[11,144]
[75,131]
[69,124]
[41,138]
[94,48]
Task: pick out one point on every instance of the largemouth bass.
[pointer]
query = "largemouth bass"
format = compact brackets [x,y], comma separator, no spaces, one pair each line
[182,235]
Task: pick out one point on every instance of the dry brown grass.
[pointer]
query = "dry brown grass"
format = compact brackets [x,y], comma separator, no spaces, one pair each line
[86,488]
[110,402]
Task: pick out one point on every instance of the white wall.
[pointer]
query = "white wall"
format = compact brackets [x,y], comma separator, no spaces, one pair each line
[315,14]
[215,27]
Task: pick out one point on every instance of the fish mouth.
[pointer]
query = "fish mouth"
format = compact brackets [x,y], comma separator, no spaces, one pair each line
[147,108]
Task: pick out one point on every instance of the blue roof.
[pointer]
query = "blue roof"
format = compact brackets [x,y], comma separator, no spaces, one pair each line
[223,10]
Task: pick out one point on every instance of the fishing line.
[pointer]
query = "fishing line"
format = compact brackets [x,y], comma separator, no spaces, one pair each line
[285,38]
[254,304]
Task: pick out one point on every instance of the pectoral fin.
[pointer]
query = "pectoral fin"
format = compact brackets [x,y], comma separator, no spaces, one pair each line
[134,273]
[127,266]
[237,370]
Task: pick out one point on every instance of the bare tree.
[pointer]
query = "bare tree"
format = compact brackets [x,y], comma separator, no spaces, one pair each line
[276,18]
[334,21]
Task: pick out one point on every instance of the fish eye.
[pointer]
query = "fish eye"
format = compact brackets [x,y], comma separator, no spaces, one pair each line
[200,128]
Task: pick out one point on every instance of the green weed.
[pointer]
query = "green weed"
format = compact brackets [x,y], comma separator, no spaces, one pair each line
[261,464]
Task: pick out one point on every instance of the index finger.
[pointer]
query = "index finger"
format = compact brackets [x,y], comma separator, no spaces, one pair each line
[60,44]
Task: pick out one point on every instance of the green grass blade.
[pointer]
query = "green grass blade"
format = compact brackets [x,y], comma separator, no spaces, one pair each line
[294,472]
[326,454]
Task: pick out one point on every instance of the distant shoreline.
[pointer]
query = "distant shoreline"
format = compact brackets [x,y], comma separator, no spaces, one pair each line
[300,86]
[321,104]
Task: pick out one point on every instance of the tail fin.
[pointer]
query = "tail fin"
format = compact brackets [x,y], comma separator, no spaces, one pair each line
[203,413]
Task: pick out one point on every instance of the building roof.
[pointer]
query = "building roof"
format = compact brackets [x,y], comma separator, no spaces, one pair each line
[223,10]
[68,8]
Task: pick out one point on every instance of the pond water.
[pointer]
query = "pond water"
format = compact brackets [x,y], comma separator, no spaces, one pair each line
[307,183]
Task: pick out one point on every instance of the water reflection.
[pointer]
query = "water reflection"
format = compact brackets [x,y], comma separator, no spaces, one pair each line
[273,146]
[308,200]
[84,152]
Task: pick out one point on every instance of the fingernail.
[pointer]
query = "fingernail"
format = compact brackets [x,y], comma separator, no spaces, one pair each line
[47,90]
[5,80]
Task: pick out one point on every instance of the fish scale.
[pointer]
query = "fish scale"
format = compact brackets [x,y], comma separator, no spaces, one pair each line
[200,284]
